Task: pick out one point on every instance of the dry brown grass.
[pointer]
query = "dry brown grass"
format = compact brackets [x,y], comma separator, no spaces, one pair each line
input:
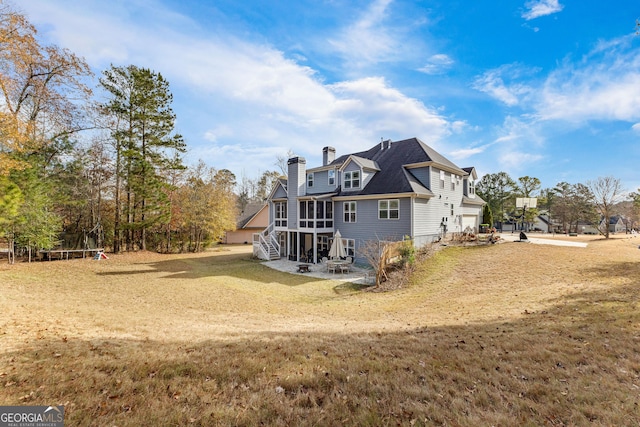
[508,334]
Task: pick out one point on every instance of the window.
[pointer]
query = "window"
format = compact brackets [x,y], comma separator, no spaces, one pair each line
[281,214]
[316,214]
[453,182]
[310,216]
[303,214]
[441,179]
[349,211]
[389,209]
[323,244]
[349,247]
[472,188]
[310,180]
[319,214]
[332,177]
[352,179]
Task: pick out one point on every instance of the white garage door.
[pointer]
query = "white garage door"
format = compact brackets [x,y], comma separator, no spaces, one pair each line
[470,221]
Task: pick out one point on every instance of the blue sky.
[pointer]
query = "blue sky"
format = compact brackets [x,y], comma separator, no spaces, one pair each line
[544,88]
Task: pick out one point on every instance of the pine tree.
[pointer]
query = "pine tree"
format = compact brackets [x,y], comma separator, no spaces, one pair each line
[145,146]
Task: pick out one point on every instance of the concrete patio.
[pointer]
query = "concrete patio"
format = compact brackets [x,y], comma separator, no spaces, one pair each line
[356,275]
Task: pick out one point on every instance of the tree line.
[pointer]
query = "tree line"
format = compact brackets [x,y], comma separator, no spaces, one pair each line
[566,206]
[108,166]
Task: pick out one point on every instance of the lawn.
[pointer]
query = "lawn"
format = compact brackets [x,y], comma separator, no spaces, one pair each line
[507,334]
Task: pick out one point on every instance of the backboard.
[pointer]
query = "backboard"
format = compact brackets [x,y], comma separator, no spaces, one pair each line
[526,202]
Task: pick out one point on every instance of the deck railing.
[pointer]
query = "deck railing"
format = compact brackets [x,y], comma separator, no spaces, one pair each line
[266,243]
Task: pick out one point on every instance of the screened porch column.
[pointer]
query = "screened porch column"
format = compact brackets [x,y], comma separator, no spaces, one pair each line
[315,246]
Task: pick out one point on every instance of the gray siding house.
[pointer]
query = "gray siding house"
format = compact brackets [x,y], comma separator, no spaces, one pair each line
[391,191]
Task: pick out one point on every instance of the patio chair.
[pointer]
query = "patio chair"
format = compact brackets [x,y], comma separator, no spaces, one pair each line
[331,267]
[350,260]
[345,268]
[324,260]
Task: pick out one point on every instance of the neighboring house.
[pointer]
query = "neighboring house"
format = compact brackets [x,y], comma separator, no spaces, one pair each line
[542,222]
[616,225]
[583,227]
[391,191]
[253,219]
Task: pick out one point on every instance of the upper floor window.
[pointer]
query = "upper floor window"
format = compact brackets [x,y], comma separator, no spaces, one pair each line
[352,179]
[280,214]
[316,214]
[441,179]
[472,188]
[349,211]
[453,182]
[310,180]
[332,177]
[389,209]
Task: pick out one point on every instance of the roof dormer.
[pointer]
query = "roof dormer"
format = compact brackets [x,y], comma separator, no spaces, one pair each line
[356,172]
[469,189]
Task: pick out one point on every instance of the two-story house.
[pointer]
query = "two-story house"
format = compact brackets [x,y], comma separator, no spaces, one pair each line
[389,192]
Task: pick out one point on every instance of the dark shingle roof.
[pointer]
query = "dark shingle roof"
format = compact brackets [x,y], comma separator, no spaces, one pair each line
[248,213]
[392,176]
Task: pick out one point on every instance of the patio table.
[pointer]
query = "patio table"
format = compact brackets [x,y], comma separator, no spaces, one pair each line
[340,264]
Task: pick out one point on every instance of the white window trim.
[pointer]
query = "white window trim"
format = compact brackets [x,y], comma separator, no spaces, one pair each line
[329,177]
[310,179]
[350,179]
[345,210]
[388,209]
[349,244]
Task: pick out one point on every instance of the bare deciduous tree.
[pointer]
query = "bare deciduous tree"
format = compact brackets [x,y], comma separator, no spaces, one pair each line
[607,191]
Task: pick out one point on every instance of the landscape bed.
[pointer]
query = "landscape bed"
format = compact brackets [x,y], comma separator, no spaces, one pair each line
[507,334]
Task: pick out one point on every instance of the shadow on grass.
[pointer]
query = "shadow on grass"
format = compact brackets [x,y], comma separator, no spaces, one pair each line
[576,363]
[239,266]
[621,269]
[349,288]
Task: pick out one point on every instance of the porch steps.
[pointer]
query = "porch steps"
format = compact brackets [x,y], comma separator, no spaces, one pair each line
[273,253]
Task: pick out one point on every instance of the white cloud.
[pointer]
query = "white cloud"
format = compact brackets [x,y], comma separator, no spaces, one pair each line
[538,8]
[636,127]
[372,100]
[239,103]
[496,83]
[464,153]
[605,85]
[437,64]
[371,39]
[217,133]
[518,160]
[366,40]
[519,144]
[458,126]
